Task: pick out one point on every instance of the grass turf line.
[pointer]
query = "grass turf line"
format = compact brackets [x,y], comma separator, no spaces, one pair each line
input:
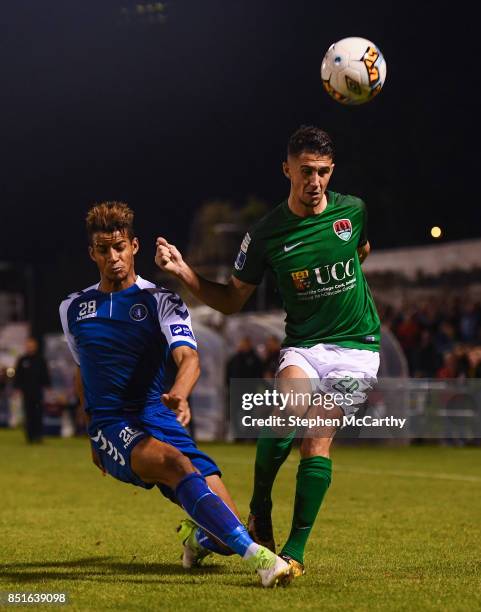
[384,540]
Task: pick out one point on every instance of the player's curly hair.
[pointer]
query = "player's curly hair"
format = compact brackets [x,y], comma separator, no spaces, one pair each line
[311,140]
[110,217]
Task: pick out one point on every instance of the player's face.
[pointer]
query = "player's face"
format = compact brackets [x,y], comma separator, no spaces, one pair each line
[31,346]
[114,255]
[309,174]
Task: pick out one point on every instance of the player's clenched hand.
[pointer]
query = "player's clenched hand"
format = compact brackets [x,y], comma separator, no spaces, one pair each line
[179,405]
[167,257]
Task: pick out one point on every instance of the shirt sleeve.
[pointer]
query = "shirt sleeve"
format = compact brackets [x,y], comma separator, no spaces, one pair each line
[363,235]
[175,322]
[68,335]
[250,265]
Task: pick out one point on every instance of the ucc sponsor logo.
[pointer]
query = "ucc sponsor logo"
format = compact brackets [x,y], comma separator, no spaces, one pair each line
[324,275]
[338,271]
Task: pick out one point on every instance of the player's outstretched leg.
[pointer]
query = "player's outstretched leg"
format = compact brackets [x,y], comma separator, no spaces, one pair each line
[209,512]
[263,561]
[156,462]
[194,545]
[197,544]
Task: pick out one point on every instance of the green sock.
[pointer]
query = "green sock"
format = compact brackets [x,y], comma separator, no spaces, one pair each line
[270,455]
[313,480]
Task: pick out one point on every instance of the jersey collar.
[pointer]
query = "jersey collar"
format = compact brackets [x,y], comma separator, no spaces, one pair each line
[331,196]
[140,283]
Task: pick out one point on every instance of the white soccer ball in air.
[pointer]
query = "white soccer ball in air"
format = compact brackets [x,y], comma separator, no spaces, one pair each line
[353,70]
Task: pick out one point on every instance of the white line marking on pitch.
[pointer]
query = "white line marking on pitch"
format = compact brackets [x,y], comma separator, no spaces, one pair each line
[369,472]
[409,473]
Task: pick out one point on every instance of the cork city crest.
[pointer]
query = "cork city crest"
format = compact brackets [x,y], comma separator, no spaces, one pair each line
[343,229]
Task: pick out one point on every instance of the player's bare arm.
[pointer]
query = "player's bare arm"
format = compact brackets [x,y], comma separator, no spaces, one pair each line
[187,361]
[79,388]
[226,298]
[364,251]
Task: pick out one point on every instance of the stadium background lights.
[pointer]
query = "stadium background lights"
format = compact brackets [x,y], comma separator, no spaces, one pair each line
[154,7]
[148,12]
[436,232]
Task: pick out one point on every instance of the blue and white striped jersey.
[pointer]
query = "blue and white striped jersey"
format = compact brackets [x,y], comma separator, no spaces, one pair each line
[122,342]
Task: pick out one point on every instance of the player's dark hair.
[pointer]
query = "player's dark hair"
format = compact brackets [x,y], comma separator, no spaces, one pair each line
[110,217]
[311,140]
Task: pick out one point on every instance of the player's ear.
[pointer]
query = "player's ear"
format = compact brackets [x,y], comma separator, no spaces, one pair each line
[135,245]
[285,169]
[91,253]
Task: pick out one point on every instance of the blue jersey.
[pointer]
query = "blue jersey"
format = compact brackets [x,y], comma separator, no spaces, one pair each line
[122,342]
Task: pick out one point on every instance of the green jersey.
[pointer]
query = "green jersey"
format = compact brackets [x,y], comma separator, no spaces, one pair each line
[318,272]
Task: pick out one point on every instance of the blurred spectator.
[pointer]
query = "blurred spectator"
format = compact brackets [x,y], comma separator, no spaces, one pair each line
[468,324]
[462,362]
[474,362]
[426,359]
[449,369]
[245,363]
[271,359]
[432,327]
[387,314]
[408,331]
[445,338]
[3,397]
[31,378]
[428,316]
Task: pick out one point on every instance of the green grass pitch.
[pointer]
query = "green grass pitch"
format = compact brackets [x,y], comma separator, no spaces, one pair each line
[400,530]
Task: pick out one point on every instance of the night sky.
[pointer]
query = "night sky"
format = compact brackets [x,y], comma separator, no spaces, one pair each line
[98,104]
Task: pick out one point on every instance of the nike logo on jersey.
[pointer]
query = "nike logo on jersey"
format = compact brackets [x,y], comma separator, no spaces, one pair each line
[289,247]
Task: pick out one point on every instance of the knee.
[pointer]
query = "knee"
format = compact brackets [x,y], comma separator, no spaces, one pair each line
[173,461]
[315,447]
[159,463]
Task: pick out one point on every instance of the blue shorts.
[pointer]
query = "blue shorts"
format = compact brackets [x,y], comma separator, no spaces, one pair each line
[115,436]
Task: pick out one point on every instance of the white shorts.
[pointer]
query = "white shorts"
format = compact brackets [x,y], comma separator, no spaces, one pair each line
[335,369]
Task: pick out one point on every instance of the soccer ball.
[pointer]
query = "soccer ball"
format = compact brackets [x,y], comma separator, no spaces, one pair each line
[353,70]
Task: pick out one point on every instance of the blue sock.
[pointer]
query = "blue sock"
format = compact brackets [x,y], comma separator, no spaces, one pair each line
[212,514]
[206,541]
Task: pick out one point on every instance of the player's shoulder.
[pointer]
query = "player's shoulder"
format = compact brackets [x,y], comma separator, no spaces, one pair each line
[146,285]
[272,219]
[347,200]
[162,295]
[82,294]
[272,216]
[157,291]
